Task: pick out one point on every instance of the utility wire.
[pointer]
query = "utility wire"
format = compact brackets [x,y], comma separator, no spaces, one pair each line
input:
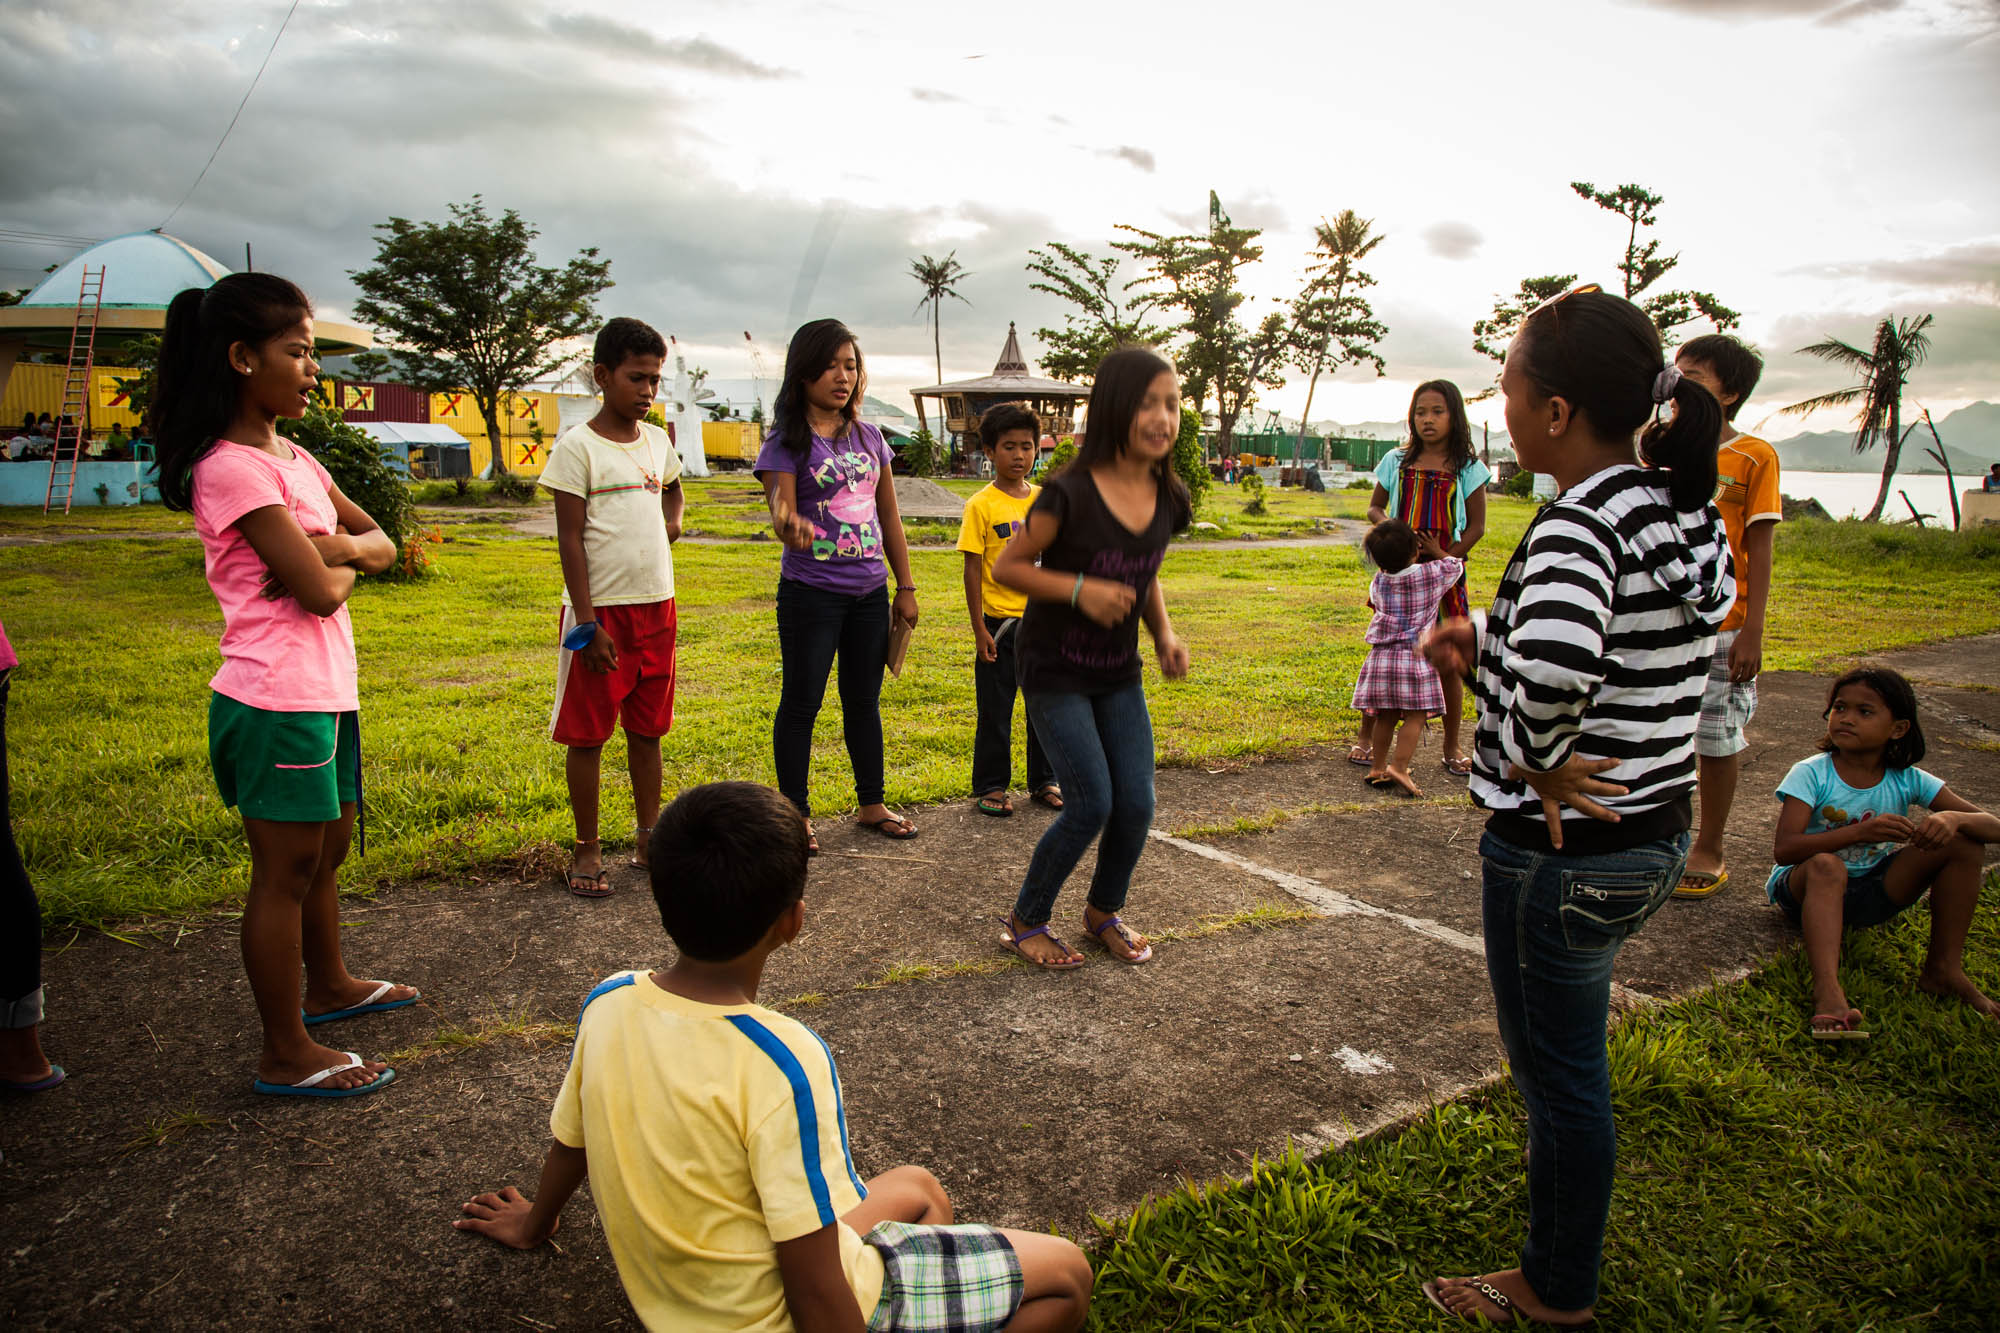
[233,119]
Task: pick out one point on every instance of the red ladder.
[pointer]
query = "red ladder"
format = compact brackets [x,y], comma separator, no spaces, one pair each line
[73,423]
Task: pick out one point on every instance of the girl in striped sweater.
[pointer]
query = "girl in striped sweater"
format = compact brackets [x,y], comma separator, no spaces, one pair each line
[1588,673]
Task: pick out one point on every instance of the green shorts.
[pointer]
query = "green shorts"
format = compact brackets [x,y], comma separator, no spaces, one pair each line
[297,768]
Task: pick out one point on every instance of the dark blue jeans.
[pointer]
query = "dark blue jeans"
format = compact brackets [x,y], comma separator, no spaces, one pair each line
[815,626]
[1553,926]
[994,685]
[1102,749]
[20,913]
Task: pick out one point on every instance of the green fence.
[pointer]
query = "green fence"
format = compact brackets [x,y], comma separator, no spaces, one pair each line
[1360,454]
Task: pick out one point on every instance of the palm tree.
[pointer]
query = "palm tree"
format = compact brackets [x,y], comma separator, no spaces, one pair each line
[1329,312]
[936,277]
[1900,347]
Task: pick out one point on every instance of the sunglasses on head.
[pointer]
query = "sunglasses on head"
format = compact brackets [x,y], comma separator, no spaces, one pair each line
[1577,290]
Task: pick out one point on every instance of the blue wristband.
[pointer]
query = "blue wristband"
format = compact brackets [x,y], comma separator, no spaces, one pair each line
[579,638]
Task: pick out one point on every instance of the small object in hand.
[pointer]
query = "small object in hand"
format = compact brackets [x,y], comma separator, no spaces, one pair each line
[579,638]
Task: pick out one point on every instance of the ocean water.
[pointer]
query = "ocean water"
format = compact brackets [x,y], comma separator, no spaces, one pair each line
[1848,494]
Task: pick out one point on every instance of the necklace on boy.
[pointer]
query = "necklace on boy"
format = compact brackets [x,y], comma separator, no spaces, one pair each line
[631,451]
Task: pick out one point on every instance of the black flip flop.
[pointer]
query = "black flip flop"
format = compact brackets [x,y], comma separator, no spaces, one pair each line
[891,826]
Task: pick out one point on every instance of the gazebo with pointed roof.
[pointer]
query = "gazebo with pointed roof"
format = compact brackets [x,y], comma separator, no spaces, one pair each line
[1052,401]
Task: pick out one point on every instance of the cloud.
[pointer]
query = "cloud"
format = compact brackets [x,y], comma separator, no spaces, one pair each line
[1964,361]
[1971,267]
[1765,9]
[934,95]
[603,36]
[1139,157]
[1453,240]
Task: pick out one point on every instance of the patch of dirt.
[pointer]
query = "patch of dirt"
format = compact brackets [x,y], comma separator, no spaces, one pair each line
[156,1190]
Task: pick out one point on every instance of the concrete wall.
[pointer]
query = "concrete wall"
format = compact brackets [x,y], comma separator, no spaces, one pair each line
[126,483]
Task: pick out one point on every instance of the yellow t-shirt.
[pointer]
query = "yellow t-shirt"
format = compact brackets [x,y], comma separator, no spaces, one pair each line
[711,1133]
[1746,478]
[625,548]
[991,517]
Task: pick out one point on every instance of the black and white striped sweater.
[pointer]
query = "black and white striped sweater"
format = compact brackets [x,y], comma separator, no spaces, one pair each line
[1597,645]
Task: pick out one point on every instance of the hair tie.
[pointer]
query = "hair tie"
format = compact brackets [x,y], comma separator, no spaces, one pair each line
[1665,383]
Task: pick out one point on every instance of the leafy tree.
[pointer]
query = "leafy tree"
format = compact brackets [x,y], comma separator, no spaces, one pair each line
[1197,276]
[1334,324]
[1062,455]
[1107,320]
[1493,335]
[1900,347]
[1190,459]
[466,306]
[921,453]
[1643,264]
[936,277]
[354,458]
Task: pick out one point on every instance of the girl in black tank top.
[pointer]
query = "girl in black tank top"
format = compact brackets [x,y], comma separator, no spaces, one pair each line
[1088,561]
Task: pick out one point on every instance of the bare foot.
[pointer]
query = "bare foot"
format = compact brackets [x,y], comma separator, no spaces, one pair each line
[1461,1296]
[1405,781]
[1955,985]
[310,1060]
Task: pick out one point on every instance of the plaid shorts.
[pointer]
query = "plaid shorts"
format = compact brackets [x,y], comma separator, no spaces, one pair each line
[1725,708]
[956,1279]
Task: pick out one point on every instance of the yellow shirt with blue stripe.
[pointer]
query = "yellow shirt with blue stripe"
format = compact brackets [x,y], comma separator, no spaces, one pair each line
[712,1132]
[990,519]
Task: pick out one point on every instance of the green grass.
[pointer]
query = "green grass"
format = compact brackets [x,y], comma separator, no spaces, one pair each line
[118,817]
[1765,1181]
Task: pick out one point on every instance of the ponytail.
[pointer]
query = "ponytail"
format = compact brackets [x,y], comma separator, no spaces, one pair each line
[1685,445]
[195,394]
[1602,355]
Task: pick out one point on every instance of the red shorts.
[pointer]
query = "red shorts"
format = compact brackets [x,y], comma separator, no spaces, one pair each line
[639,694]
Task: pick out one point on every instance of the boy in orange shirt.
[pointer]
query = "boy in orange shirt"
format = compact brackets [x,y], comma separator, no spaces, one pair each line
[1747,497]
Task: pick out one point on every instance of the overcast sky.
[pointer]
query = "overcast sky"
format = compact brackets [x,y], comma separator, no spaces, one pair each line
[747,165]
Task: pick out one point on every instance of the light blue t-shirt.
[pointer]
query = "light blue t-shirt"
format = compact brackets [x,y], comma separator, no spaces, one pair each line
[1470,478]
[1834,804]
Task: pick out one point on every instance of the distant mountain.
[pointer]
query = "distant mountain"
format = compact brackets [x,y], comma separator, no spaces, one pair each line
[1971,441]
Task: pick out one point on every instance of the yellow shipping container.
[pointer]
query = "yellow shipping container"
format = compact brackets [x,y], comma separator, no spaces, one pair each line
[731,441]
[39,389]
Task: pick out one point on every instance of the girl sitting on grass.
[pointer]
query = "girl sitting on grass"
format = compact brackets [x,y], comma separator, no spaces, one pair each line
[1864,832]
[282,548]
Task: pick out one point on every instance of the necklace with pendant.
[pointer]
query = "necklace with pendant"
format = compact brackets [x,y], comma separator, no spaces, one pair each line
[632,452]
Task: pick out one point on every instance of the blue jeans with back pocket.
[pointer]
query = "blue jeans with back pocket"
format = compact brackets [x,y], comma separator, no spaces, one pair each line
[1553,926]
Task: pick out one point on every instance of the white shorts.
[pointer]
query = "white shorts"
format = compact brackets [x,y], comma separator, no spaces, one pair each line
[1726,708]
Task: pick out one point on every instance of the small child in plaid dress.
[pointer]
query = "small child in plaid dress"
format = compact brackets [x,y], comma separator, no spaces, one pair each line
[1397,686]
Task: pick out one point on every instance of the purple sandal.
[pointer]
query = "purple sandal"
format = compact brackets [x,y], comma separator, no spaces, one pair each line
[1012,944]
[1125,934]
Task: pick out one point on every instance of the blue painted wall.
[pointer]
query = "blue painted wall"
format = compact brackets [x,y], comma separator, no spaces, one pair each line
[126,483]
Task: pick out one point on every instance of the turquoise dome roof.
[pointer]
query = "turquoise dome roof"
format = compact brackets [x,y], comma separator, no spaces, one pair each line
[145,270]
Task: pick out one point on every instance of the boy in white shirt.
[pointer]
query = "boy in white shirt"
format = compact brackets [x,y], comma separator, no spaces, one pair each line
[617,486]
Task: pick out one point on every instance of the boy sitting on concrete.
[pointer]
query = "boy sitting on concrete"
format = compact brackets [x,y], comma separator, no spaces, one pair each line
[716,1140]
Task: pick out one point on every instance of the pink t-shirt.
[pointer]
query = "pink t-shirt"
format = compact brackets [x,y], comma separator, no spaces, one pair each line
[276,655]
[7,658]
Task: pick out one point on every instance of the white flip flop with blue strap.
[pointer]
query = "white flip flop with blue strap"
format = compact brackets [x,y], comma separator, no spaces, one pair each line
[374,1004]
[309,1086]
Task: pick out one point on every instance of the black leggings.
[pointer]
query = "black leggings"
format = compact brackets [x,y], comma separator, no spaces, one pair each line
[20,913]
[814,626]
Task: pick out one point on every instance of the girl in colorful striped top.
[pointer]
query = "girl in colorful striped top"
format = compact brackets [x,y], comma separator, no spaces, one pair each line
[1588,676]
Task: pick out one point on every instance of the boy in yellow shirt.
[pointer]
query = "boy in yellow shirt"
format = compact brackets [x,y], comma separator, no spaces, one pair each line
[1010,434]
[716,1142]
[1747,497]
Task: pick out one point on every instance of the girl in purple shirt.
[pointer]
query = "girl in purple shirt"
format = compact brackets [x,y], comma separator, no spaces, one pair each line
[832,495]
